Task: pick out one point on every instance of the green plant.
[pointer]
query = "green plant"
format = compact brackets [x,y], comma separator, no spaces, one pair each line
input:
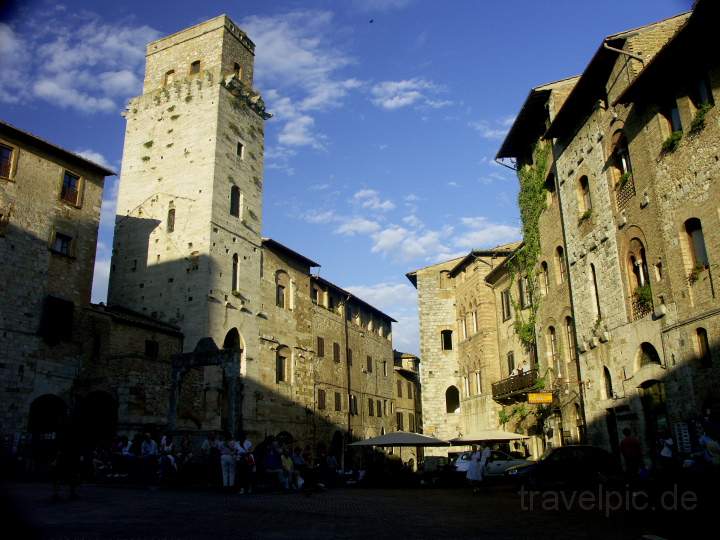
[643,295]
[694,274]
[503,417]
[525,330]
[672,142]
[624,179]
[585,215]
[698,122]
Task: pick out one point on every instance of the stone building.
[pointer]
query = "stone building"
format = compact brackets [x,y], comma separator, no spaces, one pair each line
[408,398]
[49,213]
[315,362]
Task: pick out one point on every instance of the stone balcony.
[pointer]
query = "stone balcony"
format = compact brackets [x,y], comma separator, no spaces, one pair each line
[515,387]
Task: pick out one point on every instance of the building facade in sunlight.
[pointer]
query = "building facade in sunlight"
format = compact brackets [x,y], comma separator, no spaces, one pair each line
[316,362]
[609,306]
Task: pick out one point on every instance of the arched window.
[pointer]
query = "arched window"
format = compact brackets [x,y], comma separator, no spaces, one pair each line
[696,243]
[648,355]
[608,383]
[570,337]
[446,340]
[560,264]
[596,295]
[621,157]
[584,200]
[282,365]
[550,189]
[235,201]
[703,347]
[553,350]
[452,400]
[169,77]
[237,70]
[637,265]
[235,271]
[171,220]
[232,340]
[544,277]
[195,67]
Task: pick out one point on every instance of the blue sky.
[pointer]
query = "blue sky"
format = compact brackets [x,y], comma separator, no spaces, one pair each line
[388,113]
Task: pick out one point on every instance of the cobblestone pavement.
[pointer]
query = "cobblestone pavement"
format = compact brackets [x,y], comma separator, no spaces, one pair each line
[123,512]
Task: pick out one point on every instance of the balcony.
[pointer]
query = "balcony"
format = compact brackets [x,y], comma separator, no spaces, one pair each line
[624,191]
[514,387]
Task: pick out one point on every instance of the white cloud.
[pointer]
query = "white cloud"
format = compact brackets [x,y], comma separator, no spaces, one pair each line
[95,157]
[327,216]
[481,232]
[357,225]
[297,65]
[392,95]
[77,61]
[380,5]
[492,130]
[370,199]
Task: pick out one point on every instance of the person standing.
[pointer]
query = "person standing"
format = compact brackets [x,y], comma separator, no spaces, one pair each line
[631,451]
[474,474]
[227,462]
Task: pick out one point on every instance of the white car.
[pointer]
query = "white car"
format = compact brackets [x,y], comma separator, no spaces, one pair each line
[496,465]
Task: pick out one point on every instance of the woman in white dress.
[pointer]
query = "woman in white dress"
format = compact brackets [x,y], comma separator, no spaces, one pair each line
[474,472]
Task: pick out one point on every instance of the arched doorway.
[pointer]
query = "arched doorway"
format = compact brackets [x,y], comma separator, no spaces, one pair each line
[652,396]
[452,400]
[47,419]
[647,355]
[232,342]
[97,416]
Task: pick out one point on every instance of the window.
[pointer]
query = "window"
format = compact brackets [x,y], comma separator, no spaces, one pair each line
[282,290]
[544,277]
[445,279]
[648,355]
[478,382]
[411,423]
[152,349]
[452,400]
[671,115]
[384,368]
[474,322]
[62,244]
[701,93]
[369,364]
[560,264]
[409,390]
[235,201]
[6,154]
[596,295]
[70,192]
[703,347]
[371,407]
[338,401]
[331,302]
[550,189]
[399,419]
[349,357]
[608,383]
[554,356]
[585,201]
[446,339]
[235,272]
[281,365]
[240,150]
[506,306]
[524,290]
[237,70]
[336,352]
[169,77]
[696,243]
[511,362]
[171,220]
[321,399]
[466,386]
[385,408]
[378,408]
[463,327]
[399,389]
[195,67]
[353,405]
[621,155]
[570,336]
[320,347]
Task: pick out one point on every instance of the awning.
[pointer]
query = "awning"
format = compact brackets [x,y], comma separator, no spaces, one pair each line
[401,438]
[487,435]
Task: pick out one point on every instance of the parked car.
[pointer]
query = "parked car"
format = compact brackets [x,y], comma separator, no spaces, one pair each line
[568,466]
[496,465]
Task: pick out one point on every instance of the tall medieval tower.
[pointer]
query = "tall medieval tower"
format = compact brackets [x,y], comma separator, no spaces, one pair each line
[187,247]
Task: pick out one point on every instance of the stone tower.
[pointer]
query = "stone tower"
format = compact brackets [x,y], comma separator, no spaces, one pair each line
[187,247]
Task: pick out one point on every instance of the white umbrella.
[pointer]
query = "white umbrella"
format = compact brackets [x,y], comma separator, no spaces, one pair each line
[487,435]
[401,438]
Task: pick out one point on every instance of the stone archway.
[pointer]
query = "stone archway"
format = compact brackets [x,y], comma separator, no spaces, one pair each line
[47,419]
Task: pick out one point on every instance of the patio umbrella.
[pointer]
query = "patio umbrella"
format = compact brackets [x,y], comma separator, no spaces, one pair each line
[487,435]
[401,438]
